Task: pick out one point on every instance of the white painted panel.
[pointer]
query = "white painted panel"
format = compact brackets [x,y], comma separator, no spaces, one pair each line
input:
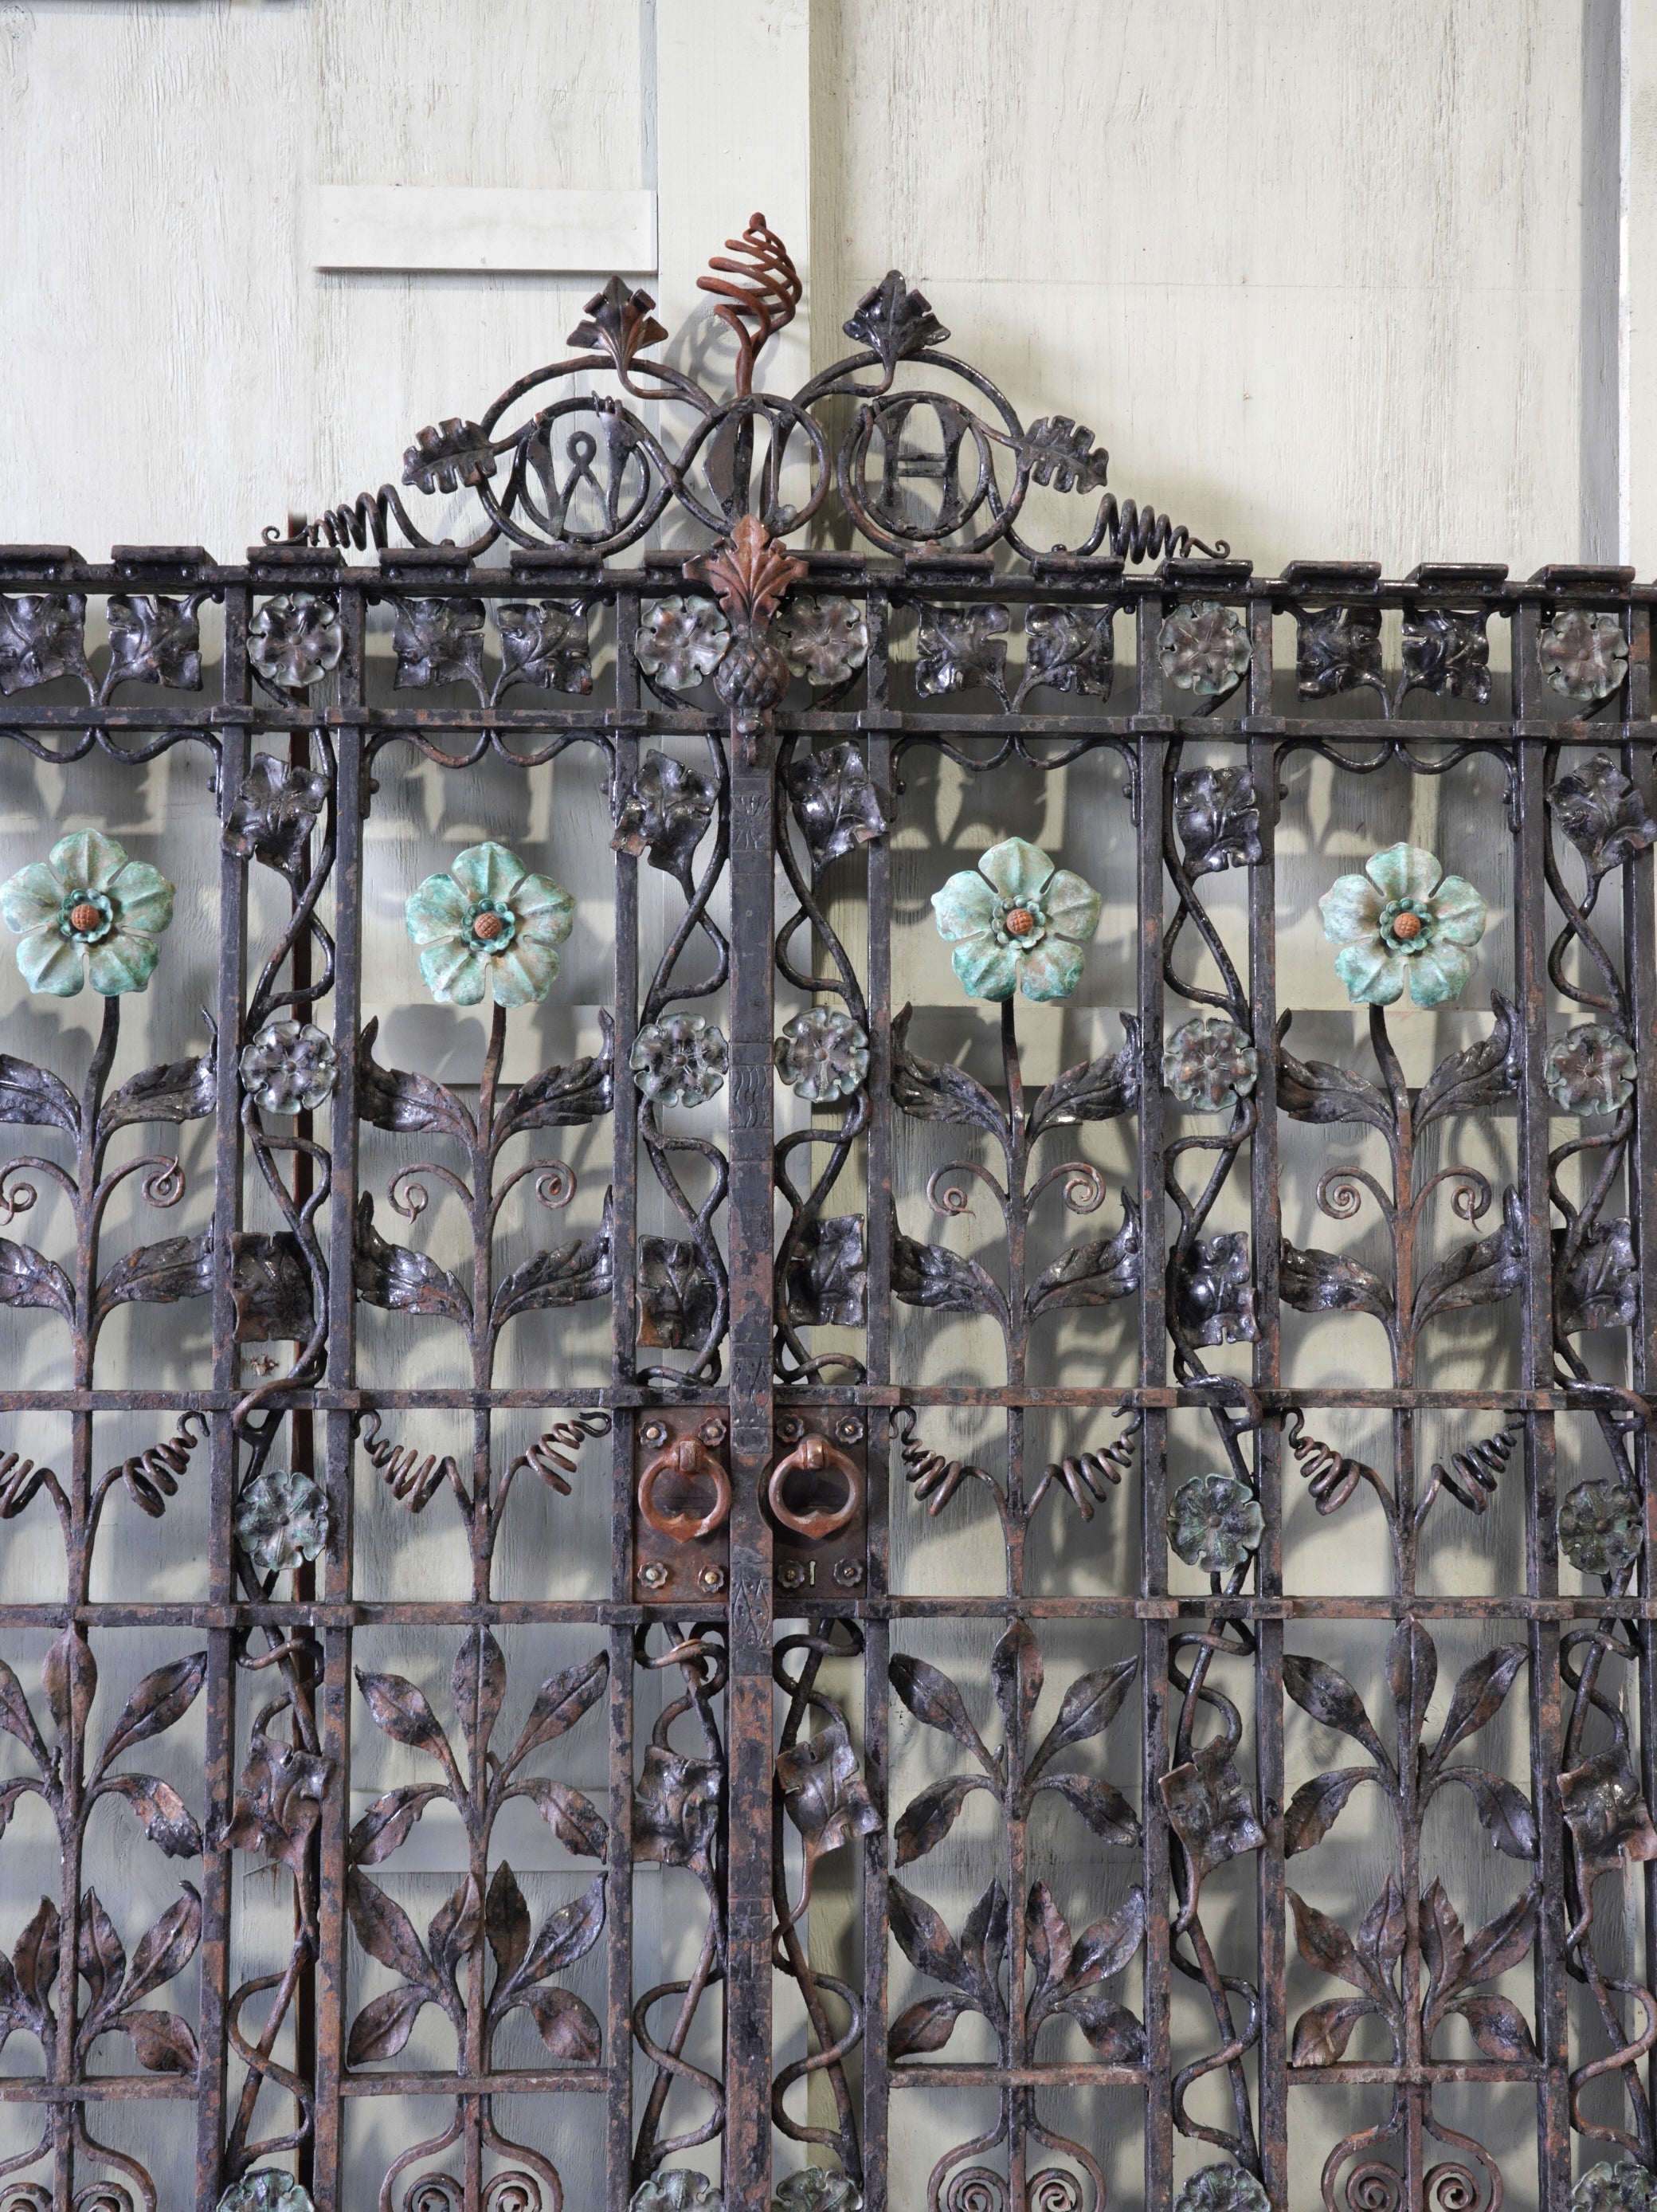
[1312,271]
[454,227]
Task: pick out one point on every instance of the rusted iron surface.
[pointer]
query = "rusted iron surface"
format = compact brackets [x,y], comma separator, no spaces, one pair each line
[759,712]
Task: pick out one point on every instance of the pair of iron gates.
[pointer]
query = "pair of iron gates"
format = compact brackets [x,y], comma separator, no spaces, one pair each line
[730,1541]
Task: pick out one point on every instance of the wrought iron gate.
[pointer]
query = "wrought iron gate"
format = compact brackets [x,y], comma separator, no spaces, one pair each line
[966,1888]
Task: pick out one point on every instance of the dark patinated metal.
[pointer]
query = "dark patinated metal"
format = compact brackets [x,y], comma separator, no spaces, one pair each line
[759,712]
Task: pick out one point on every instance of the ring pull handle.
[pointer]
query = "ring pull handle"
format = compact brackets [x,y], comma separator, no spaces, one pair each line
[688,1460]
[813,1457]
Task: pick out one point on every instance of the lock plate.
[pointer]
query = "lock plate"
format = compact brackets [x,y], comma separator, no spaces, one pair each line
[818,1503]
[681,1507]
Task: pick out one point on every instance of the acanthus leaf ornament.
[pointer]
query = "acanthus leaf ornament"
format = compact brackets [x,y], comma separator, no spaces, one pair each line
[895,322]
[749,574]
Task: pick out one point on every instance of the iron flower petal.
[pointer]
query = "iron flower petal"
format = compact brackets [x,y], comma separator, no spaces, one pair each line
[1209,1064]
[1214,1522]
[281,1520]
[680,640]
[823,1054]
[1590,1069]
[1600,1527]
[681,1060]
[1222,2189]
[1583,655]
[266,2189]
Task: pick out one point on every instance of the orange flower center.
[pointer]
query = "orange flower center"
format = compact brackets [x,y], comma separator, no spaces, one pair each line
[1020,921]
[1407,925]
[85,917]
[487,927]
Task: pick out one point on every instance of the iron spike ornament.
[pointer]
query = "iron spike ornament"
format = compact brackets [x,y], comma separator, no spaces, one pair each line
[1070,1241]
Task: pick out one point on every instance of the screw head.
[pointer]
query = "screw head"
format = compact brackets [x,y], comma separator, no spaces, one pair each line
[789,1429]
[849,1429]
[654,1432]
[790,1574]
[848,1572]
[712,1432]
[712,1579]
[653,1575]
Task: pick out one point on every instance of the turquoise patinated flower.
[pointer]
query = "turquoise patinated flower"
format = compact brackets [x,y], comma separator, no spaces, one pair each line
[1017,923]
[489,926]
[88,915]
[1403,920]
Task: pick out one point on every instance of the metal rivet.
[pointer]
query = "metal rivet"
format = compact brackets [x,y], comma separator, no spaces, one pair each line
[849,1429]
[789,1429]
[848,1572]
[790,1574]
[713,1432]
[711,1579]
[654,1432]
[653,1575]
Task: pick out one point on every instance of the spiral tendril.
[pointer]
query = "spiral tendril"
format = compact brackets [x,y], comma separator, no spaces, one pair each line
[761,288]
[414,1482]
[1085,1474]
[1331,1475]
[164,1185]
[933,1478]
[1134,533]
[152,1476]
[16,1199]
[1470,1202]
[19,1479]
[947,1197]
[1084,1193]
[1471,1475]
[555,1187]
[1338,1196]
[550,1456]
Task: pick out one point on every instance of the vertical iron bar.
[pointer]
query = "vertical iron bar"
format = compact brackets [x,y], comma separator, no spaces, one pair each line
[624,1211]
[1640,974]
[876,1657]
[1267,1231]
[748,1990]
[1536,1373]
[334,1718]
[1149,766]
[220,1686]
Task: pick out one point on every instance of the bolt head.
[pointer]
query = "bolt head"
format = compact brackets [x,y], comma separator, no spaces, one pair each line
[712,1579]
[849,1429]
[789,1429]
[712,1432]
[848,1572]
[653,1575]
[654,1432]
[790,1574]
